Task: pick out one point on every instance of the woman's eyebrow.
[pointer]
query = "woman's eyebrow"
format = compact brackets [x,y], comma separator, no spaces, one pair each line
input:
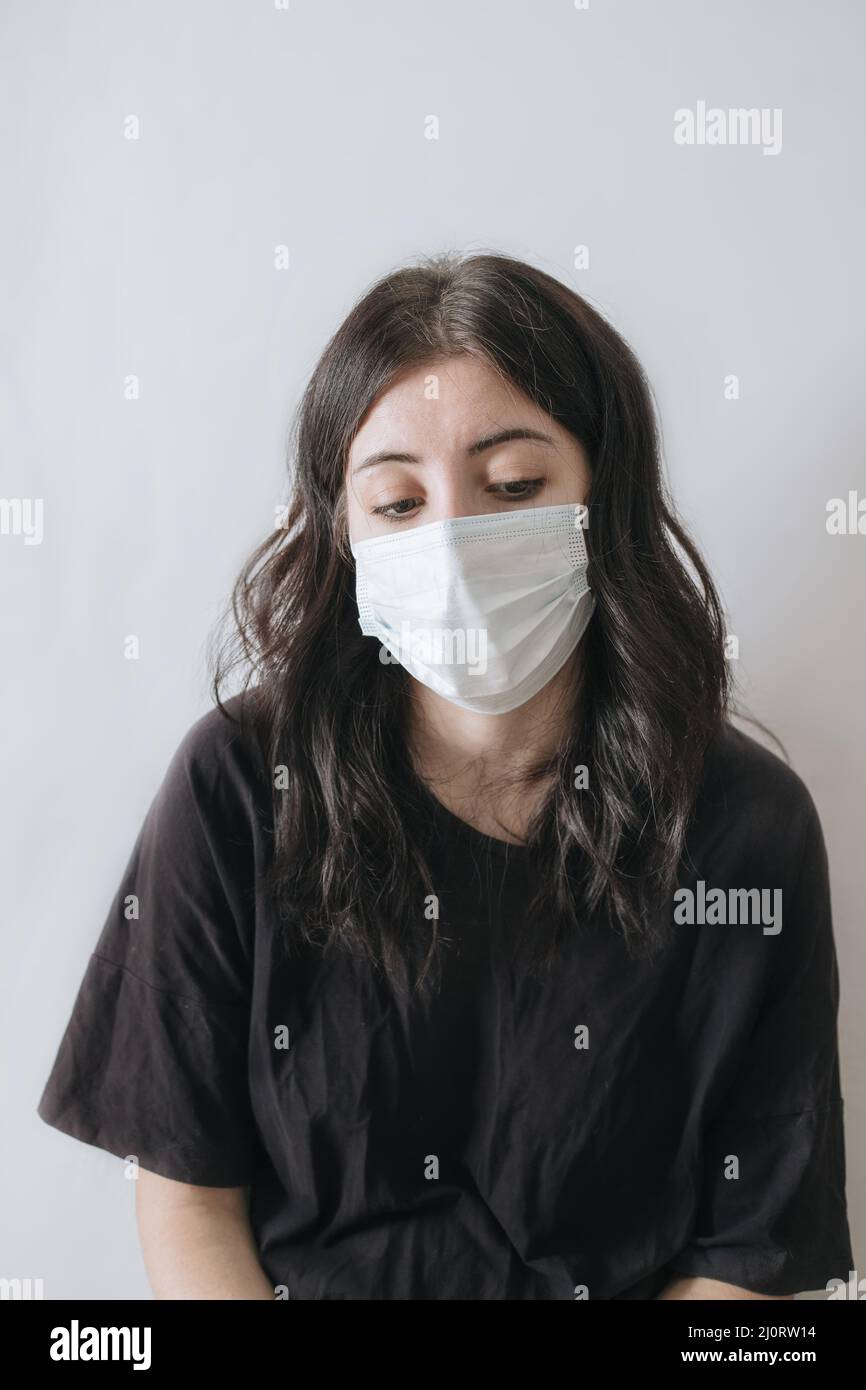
[489,441]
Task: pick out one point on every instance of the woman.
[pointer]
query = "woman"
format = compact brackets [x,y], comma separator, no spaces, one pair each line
[470,952]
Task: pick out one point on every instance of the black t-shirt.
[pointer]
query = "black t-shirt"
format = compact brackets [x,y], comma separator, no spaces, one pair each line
[593,1135]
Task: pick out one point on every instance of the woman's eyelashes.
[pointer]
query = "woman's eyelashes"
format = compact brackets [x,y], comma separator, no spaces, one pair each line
[389,510]
[515,490]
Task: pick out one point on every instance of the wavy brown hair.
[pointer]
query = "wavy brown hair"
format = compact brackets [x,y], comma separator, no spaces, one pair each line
[349,868]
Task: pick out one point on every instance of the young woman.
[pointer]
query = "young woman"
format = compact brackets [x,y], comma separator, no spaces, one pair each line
[469,951]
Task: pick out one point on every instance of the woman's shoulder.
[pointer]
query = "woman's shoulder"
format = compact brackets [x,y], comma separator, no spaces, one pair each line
[228,735]
[748,776]
[219,762]
[750,794]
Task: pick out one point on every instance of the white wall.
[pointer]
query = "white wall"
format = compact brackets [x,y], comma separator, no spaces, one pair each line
[306,127]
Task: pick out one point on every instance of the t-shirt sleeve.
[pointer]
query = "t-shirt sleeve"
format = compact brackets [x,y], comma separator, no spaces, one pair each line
[772,1214]
[153,1061]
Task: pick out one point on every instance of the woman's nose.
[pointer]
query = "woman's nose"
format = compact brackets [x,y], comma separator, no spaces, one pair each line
[455,497]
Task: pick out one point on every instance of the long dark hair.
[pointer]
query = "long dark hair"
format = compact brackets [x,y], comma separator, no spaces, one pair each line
[349,868]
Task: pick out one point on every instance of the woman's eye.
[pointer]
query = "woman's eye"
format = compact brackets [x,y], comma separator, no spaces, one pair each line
[395,511]
[518,489]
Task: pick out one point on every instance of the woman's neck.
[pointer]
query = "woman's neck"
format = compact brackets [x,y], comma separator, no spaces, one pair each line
[485,767]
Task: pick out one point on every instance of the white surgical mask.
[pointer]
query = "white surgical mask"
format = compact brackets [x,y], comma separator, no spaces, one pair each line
[485,610]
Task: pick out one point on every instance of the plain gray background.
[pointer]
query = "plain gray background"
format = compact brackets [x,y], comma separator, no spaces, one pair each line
[262,127]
